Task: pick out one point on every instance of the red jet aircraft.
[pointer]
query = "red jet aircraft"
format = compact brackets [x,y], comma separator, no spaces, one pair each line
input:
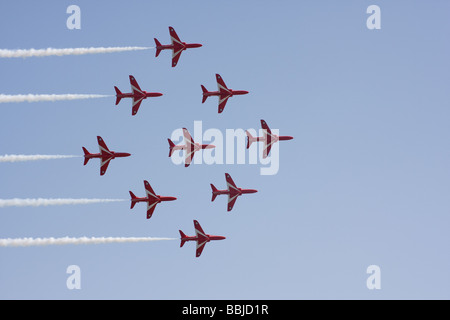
[105,155]
[136,93]
[223,93]
[268,137]
[177,46]
[152,199]
[232,191]
[200,236]
[189,145]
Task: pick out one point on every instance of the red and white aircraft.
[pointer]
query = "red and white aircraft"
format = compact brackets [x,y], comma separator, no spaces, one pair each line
[223,93]
[200,236]
[152,199]
[137,94]
[105,155]
[268,138]
[190,146]
[232,191]
[177,46]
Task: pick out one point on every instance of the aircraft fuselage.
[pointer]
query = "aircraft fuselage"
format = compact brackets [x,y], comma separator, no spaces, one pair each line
[112,153]
[144,95]
[178,47]
[206,238]
[152,200]
[231,93]
[274,138]
[240,191]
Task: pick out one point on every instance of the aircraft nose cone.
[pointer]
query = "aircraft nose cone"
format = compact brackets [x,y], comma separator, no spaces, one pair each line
[127,154]
[208,146]
[245,92]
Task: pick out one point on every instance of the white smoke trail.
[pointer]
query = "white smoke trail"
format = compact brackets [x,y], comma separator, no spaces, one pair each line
[28,242]
[27,53]
[6,98]
[35,157]
[50,202]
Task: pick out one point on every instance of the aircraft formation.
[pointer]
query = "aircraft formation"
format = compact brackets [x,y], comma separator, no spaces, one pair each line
[189,147]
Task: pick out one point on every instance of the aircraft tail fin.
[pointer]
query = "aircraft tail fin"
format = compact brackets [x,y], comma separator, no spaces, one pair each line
[118,92]
[250,139]
[204,96]
[132,198]
[158,44]
[86,153]
[183,236]
[171,145]
[214,194]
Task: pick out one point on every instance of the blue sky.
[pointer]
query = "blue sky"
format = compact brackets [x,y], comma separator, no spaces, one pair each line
[365,181]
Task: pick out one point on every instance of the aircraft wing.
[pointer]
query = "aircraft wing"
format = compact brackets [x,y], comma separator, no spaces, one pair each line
[221,86]
[198,229]
[187,137]
[201,238]
[190,147]
[106,155]
[178,46]
[102,147]
[232,200]
[149,191]
[150,209]
[230,183]
[174,37]
[268,141]
[136,105]
[176,54]
[134,86]
[189,156]
[266,150]
[223,98]
[200,246]
[264,126]
[104,164]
